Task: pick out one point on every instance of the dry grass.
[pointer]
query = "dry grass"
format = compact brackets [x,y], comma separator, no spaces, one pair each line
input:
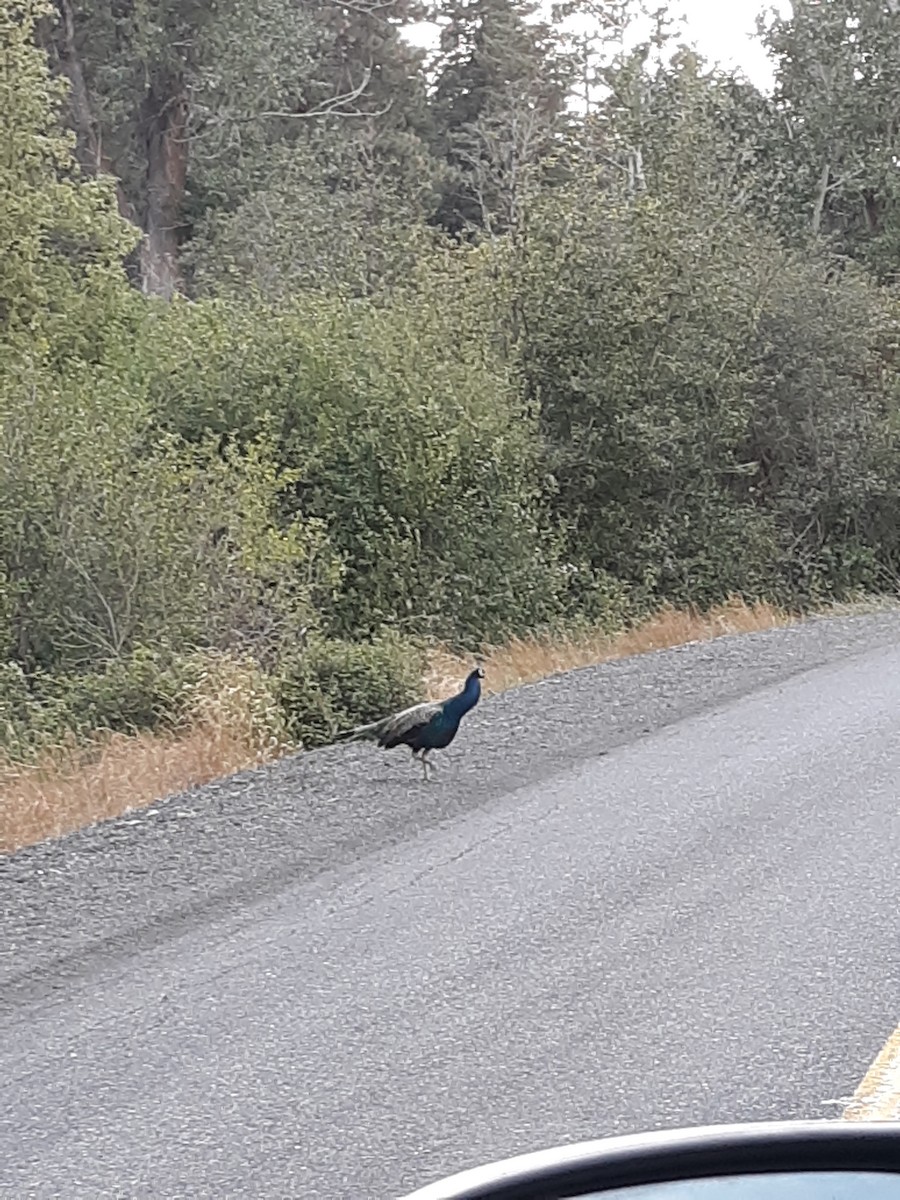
[524,660]
[70,787]
[229,721]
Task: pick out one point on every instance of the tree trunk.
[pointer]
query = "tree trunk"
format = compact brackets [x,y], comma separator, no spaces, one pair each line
[89,140]
[164,121]
[872,206]
[86,129]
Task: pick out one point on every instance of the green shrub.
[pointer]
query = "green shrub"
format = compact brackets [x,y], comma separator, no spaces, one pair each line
[331,685]
[409,439]
[125,695]
[28,722]
[717,410]
[135,692]
[118,536]
[147,690]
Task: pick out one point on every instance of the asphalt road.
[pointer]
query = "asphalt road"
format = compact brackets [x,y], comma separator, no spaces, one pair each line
[699,925]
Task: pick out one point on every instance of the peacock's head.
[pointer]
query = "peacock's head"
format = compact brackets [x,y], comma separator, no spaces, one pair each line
[478,673]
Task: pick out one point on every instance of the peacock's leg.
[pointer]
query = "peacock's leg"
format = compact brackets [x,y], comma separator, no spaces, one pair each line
[426,764]
[420,755]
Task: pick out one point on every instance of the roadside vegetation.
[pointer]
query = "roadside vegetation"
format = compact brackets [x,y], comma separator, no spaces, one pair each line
[229,724]
[316,355]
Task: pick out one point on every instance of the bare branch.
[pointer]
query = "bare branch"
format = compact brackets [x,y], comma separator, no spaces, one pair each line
[366,10]
[332,106]
[821,193]
[320,112]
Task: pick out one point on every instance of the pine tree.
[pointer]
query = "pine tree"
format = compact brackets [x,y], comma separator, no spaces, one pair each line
[500,96]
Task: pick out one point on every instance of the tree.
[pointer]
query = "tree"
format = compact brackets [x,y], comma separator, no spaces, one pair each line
[60,236]
[112,532]
[502,82]
[330,203]
[182,103]
[837,95]
[639,314]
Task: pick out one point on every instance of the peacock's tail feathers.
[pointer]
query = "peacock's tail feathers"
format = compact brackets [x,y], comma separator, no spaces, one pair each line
[397,725]
[361,732]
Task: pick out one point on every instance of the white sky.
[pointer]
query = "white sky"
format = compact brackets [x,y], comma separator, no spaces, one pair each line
[723,31]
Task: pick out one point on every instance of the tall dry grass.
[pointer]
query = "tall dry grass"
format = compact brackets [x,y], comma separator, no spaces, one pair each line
[230,724]
[524,660]
[69,787]
[229,721]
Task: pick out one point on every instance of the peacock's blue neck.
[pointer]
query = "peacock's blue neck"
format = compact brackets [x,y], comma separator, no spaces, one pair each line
[457,706]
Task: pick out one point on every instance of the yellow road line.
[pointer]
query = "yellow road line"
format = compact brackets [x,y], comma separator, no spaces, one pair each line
[878,1096]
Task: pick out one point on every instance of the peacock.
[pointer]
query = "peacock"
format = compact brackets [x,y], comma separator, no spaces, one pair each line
[424,727]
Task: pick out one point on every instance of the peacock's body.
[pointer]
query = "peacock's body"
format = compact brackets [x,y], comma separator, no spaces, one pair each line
[424,727]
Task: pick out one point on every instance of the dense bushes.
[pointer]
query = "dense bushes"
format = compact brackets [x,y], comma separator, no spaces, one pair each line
[115,535]
[330,685]
[640,322]
[719,414]
[408,437]
[144,690]
[318,486]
